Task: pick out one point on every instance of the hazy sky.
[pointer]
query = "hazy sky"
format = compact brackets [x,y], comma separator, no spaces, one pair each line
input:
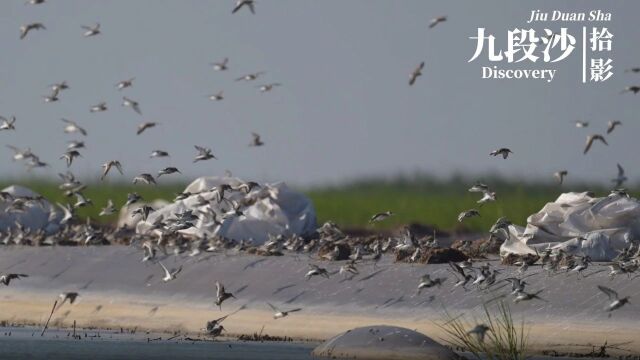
[345,109]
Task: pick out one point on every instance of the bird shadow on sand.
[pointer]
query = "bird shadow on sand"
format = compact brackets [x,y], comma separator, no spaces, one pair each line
[372,275]
[86,286]
[55,276]
[17,263]
[298,296]
[282,288]
[241,289]
[254,263]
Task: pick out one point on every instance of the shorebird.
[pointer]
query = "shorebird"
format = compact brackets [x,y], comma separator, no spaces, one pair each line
[256,140]
[108,210]
[468,214]
[125,83]
[73,127]
[279,313]
[479,187]
[58,87]
[25,29]
[315,270]
[502,151]
[436,21]
[108,165]
[168,170]
[560,175]
[417,72]
[524,296]
[91,30]
[517,285]
[480,331]
[67,213]
[268,87]
[427,282]
[591,139]
[487,197]
[582,124]
[6,278]
[620,179]
[380,216]
[633,88]
[579,268]
[169,275]
[241,3]
[143,211]
[81,201]
[75,144]
[144,178]
[349,268]
[132,104]
[132,198]
[69,156]
[616,301]
[221,295]
[144,126]
[463,279]
[34,162]
[158,153]
[35,2]
[250,77]
[98,107]
[220,65]
[203,154]
[217,97]
[247,187]
[53,97]
[7,124]
[71,296]
[611,125]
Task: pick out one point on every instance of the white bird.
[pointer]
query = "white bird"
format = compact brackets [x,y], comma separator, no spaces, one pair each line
[132,104]
[108,165]
[7,124]
[268,87]
[169,275]
[560,175]
[67,213]
[217,97]
[125,84]
[91,30]
[279,313]
[98,107]
[582,124]
[108,210]
[73,127]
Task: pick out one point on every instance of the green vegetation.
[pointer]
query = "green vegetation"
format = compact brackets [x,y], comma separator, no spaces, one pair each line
[419,199]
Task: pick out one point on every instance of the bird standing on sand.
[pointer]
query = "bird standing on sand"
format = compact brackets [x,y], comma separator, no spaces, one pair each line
[502,151]
[222,295]
[169,275]
[6,278]
[380,216]
[591,139]
[616,301]
[417,72]
[108,165]
[279,313]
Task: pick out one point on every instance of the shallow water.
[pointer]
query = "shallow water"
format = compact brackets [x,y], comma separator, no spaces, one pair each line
[25,343]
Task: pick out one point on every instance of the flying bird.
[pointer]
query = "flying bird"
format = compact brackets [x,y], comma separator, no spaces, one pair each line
[621,178]
[7,124]
[217,97]
[73,127]
[221,294]
[158,153]
[468,214]
[144,126]
[203,154]
[616,301]
[25,29]
[436,21]
[250,77]
[633,88]
[221,65]
[69,156]
[502,151]
[611,125]
[125,84]
[98,107]
[582,124]
[132,104]
[168,170]
[6,278]
[256,140]
[279,313]
[560,175]
[591,139]
[91,30]
[241,3]
[109,209]
[108,165]
[380,216]
[416,73]
[268,87]
[144,178]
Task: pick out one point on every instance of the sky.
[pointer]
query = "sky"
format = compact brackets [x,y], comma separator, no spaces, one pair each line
[344,110]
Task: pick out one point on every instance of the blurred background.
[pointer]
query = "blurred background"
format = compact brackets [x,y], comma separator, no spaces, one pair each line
[344,127]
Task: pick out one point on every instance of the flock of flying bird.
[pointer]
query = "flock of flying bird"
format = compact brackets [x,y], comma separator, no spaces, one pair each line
[328,236]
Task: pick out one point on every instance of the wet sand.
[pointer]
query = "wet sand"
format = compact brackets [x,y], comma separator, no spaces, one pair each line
[127,291]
